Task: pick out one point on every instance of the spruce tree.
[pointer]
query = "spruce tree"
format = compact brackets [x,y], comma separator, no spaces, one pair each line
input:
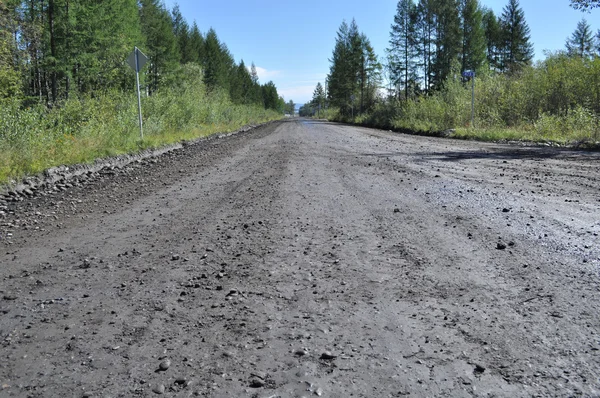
[10,80]
[494,39]
[181,30]
[581,42]
[473,55]
[218,62]
[319,96]
[403,45]
[369,74]
[426,33]
[161,43]
[448,41]
[339,88]
[196,44]
[517,49]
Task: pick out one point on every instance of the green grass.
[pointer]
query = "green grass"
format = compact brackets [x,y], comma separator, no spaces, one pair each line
[82,130]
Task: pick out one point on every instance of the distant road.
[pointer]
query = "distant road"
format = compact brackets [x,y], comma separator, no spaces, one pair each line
[309,258]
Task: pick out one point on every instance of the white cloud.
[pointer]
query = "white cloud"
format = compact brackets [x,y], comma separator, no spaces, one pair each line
[299,94]
[265,75]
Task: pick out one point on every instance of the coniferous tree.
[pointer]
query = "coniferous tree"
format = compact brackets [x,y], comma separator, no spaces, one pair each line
[290,108]
[473,55]
[181,30]
[339,89]
[10,79]
[581,42]
[240,88]
[370,73]
[403,48]
[517,49]
[196,44]
[161,43]
[318,98]
[448,40]
[494,39]
[218,62]
[585,5]
[270,96]
[427,34]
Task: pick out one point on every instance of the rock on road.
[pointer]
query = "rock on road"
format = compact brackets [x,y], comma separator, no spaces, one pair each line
[306,258]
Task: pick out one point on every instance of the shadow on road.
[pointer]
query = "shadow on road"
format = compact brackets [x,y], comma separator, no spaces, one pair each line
[498,154]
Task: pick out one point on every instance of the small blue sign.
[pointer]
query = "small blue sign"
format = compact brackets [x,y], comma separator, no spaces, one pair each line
[468,73]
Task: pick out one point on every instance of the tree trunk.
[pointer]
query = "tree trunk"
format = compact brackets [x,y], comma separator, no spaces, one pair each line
[53,74]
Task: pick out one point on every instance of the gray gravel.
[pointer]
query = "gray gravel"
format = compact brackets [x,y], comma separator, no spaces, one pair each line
[231,257]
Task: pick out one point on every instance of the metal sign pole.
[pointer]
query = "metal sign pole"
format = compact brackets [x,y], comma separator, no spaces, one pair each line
[137,60]
[471,74]
[473,101]
[137,79]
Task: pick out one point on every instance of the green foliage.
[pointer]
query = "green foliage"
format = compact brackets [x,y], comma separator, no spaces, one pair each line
[88,127]
[403,50]
[585,5]
[10,79]
[581,42]
[555,100]
[517,50]
[66,92]
[355,71]
[161,42]
[474,46]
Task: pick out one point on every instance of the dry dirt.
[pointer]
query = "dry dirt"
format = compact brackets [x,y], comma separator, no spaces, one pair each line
[303,259]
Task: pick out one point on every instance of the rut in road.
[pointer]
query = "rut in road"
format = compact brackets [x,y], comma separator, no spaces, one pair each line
[308,258]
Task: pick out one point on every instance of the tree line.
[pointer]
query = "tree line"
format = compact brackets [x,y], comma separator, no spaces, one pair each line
[53,49]
[432,42]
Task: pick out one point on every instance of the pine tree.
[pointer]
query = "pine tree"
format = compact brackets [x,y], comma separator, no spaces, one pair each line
[369,74]
[473,55]
[427,33]
[290,108]
[181,30]
[196,44]
[448,39]
[581,42]
[345,67]
[494,39]
[517,49]
[318,98]
[598,42]
[270,96]
[403,45]
[218,62]
[10,79]
[161,43]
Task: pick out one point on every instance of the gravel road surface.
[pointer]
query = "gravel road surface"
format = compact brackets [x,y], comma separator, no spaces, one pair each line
[305,258]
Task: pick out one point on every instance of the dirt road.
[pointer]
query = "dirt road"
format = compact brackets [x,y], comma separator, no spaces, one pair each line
[308,259]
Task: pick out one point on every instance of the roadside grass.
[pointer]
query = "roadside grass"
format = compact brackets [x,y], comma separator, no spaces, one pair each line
[84,129]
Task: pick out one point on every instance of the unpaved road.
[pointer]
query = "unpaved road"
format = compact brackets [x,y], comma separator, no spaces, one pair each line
[309,259]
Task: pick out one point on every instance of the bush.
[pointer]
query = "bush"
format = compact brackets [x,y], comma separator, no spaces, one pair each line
[85,128]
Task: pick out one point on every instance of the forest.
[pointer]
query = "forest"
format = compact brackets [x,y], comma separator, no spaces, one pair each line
[67,94]
[437,47]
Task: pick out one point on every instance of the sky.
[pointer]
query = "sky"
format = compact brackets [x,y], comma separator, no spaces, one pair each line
[291,43]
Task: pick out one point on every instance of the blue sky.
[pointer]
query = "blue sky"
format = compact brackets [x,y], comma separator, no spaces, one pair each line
[290,43]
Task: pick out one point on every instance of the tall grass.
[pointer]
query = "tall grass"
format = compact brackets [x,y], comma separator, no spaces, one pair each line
[83,129]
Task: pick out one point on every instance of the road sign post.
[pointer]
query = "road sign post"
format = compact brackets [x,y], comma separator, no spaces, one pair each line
[137,60]
[471,74]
